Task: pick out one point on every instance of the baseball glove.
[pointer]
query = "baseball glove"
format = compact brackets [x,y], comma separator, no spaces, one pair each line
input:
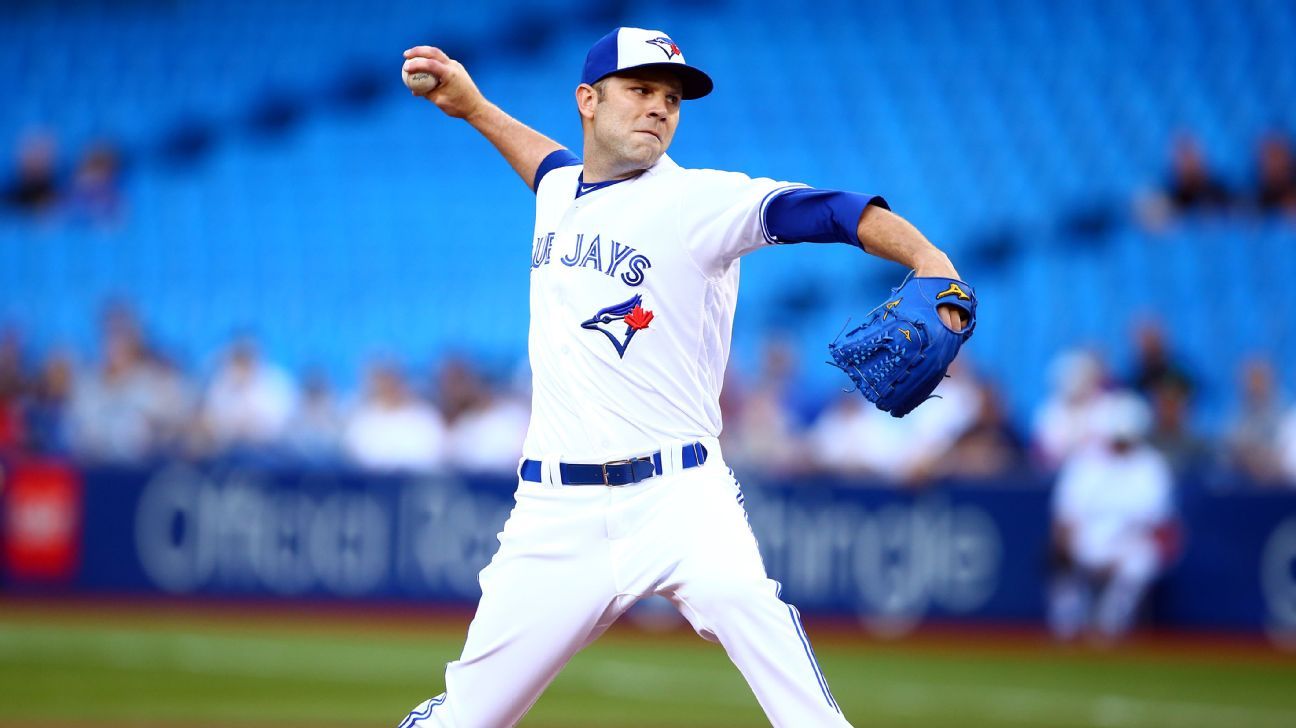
[900,353]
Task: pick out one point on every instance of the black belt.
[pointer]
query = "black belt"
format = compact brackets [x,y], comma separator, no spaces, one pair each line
[617,472]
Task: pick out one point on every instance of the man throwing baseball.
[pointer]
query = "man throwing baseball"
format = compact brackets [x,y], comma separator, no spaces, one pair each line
[623,491]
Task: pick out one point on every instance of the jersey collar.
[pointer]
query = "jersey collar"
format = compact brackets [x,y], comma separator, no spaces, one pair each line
[663,164]
[583,189]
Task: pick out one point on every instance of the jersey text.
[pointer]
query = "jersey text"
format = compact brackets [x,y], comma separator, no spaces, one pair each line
[611,258]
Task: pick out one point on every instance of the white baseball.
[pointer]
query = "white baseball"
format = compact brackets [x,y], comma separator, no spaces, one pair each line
[420,83]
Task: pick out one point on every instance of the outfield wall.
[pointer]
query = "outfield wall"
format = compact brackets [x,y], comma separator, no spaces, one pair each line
[958,552]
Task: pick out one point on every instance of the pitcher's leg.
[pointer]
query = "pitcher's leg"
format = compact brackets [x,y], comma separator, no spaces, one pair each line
[721,588]
[767,642]
[545,595]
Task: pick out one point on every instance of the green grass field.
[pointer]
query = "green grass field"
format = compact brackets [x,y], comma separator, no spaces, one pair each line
[64,665]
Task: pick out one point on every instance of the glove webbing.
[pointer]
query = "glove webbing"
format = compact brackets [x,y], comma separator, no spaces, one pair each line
[882,368]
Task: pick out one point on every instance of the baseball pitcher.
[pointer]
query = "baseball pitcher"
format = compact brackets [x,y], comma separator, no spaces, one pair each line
[622,489]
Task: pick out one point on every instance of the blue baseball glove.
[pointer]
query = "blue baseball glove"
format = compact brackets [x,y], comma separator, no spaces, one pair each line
[899,355]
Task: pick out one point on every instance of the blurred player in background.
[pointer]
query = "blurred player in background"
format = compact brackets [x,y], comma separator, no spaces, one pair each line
[1111,506]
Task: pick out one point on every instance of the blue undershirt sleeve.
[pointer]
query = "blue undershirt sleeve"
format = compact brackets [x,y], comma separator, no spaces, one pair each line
[806,215]
[557,158]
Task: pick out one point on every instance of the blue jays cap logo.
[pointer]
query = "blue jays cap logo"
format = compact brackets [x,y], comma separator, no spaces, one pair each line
[666,45]
[630,312]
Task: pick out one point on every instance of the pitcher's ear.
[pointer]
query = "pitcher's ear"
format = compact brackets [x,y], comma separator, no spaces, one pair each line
[586,100]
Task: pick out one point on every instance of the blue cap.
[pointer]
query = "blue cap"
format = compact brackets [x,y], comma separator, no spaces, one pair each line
[627,48]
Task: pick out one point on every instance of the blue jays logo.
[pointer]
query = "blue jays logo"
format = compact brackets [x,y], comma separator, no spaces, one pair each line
[666,45]
[630,312]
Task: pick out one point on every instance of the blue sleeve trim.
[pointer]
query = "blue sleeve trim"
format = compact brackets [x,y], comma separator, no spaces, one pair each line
[764,205]
[557,158]
[805,215]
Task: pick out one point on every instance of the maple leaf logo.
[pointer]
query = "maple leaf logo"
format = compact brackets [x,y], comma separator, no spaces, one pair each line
[638,318]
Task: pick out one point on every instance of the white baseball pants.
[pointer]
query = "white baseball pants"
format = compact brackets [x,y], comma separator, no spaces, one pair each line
[574,558]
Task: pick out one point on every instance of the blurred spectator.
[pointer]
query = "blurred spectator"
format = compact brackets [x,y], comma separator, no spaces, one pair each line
[110,413]
[1172,431]
[391,430]
[1153,365]
[457,387]
[852,437]
[1063,424]
[248,402]
[761,429]
[488,438]
[933,428]
[1190,187]
[1287,447]
[1112,508]
[1252,438]
[947,415]
[314,433]
[48,405]
[34,188]
[1276,172]
[172,404]
[166,394]
[95,195]
[486,425]
[12,386]
[990,447]
[765,435]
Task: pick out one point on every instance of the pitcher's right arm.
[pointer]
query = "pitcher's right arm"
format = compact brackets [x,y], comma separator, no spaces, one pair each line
[456,95]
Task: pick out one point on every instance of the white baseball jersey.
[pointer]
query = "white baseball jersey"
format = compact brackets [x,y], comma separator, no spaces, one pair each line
[633,290]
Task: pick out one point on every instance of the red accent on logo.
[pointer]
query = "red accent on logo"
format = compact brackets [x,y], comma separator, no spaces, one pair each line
[675,51]
[638,318]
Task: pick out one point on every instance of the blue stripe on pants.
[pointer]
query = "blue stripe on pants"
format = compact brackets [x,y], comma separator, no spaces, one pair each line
[814,663]
[417,715]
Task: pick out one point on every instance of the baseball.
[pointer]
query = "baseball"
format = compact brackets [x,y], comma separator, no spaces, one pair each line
[421,84]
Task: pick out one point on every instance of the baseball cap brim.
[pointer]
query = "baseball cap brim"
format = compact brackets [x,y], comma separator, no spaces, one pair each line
[696,84]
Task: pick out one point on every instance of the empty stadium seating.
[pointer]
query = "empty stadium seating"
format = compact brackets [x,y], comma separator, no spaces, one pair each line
[385,228]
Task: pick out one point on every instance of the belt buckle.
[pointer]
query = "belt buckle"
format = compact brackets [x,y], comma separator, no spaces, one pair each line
[627,461]
[604,468]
